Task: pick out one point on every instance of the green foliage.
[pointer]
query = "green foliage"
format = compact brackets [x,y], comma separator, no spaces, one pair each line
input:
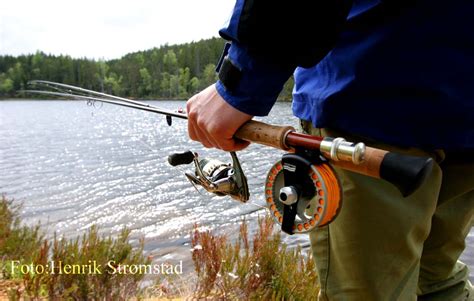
[259,269]
[176,71]
[21,245]
[264,269]
[6,84]
[16,241]
[209,75]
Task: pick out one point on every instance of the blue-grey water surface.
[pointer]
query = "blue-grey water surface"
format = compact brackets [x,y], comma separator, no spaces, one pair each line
[73,166]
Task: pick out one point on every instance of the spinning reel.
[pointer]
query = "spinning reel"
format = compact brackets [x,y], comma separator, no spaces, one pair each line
[302,190]
[215,176]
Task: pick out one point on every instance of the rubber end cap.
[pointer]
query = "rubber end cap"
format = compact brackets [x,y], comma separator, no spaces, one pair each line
[407,173]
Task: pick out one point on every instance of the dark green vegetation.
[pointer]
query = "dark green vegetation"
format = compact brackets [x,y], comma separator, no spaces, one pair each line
[176,71]
[22,246]
[257,268]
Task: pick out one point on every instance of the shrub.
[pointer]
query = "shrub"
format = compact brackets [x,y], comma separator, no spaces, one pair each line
[27,245]
[16,241]
[262,270]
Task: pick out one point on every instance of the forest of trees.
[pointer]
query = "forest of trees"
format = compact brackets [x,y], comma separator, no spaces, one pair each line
[168,72]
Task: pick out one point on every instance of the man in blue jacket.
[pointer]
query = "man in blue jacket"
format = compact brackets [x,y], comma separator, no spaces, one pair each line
[398,75]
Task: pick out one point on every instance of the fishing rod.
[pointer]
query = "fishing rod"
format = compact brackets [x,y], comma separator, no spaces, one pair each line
[69,91]
[302,190]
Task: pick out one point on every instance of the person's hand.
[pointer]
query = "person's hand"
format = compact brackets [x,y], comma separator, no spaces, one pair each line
[213,122]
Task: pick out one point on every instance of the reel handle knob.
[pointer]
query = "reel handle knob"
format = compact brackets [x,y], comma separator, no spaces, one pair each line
[288,195]
[181,158]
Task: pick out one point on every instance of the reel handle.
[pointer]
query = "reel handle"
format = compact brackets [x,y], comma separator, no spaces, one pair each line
[407,173]
[181,158]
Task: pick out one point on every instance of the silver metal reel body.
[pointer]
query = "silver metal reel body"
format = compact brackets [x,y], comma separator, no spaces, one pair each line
[215,176]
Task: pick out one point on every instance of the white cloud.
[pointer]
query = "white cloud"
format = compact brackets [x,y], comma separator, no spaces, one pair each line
[104,28]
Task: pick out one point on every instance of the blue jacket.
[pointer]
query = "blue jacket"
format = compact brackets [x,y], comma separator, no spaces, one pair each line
[401,72]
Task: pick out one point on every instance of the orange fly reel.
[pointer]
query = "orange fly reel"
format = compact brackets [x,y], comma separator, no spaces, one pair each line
[313,201]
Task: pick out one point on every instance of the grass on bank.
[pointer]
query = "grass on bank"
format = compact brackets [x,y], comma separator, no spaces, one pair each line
[258,268]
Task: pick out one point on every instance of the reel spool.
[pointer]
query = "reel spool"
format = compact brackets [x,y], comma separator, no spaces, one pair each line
[302,195]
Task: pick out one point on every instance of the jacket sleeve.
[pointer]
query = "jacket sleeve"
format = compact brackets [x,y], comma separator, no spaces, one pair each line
[270,39]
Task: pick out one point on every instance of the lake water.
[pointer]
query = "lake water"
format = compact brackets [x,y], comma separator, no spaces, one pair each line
[73,166]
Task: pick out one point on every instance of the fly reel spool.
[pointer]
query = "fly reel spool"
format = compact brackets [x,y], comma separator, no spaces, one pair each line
[302,193]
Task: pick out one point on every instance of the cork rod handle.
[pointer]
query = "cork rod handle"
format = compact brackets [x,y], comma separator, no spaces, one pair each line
[406,172]
[373,158]
[266,134]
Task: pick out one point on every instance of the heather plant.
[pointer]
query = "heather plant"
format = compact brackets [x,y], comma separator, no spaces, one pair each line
[261,269]
[93,250]
[169,287]
[15,239]
[256,268]
[16,242]
[28,246]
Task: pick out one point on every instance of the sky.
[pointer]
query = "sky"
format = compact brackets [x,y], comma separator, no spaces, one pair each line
[106,29]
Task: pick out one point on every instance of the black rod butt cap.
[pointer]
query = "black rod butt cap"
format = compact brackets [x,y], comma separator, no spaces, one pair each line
[407,173]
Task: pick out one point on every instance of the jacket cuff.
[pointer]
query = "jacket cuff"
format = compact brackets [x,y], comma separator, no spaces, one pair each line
[258,85]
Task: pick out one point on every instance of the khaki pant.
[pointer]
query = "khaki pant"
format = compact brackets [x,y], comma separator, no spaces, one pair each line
[386,247]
